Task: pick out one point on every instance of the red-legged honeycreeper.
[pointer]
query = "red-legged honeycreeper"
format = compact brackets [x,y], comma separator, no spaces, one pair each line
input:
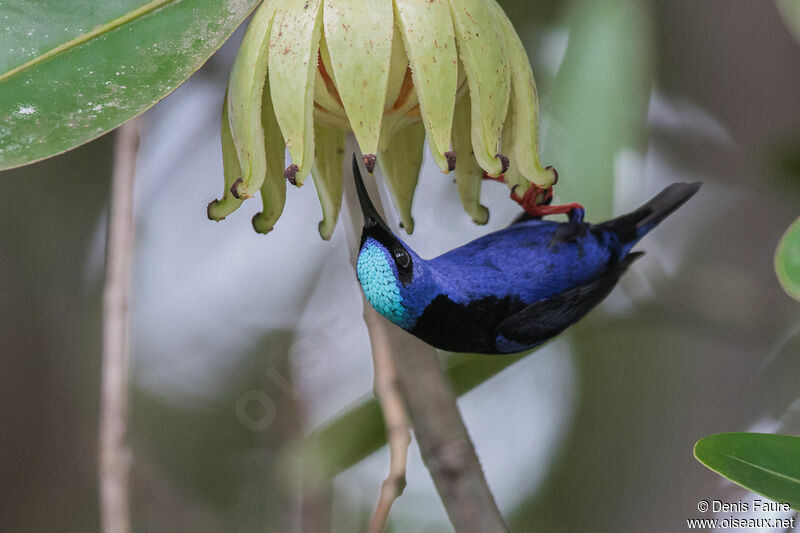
[509,290]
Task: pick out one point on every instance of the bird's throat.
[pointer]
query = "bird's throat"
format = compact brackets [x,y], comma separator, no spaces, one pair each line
[379,282]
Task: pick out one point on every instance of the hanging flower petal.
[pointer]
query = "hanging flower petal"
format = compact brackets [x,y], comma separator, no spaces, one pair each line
[360,53]
[482,50]
[327,175]
[219,209]
[394,72]
[523,150]
[293,50]
[429,38]
[273,190]
[402,107]
[244,101]
[401,163]
[328,107]
[512,176]
[469,175]
[397,86]
[516,182]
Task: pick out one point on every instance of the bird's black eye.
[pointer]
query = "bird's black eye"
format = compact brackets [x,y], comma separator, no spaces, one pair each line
[402,258]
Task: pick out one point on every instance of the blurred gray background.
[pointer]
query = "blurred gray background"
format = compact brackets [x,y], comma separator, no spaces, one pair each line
[243,343]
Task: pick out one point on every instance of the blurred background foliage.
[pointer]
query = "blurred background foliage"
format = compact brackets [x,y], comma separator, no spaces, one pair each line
[243,345]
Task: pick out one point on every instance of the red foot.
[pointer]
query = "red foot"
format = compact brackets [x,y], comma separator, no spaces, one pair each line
[542,208]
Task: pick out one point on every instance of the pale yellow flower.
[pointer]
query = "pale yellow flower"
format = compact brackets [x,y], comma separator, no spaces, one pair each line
[394,72]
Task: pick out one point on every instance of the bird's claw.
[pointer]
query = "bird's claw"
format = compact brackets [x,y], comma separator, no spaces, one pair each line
[528,201]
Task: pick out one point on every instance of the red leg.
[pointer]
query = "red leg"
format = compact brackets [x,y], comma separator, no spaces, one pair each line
[542,208]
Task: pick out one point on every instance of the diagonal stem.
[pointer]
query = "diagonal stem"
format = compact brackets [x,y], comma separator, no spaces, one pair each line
[431,406]
[114,454]
[443,439]
[385,384]
[398,435]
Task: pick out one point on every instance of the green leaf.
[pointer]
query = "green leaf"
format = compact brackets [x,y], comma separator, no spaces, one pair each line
[599,99]
[790,11]
[787,260]
[765,464]
[69,73]
[359,432]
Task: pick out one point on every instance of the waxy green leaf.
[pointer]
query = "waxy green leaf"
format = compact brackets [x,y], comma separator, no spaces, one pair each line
[763,463]
[71,71]
[790,11]
[599,99]
[352,436]
[787,260]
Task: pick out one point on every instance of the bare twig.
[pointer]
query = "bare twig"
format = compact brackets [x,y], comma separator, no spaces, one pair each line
[431,406]
[398,434]
[385,386]
[442,437]
[114,454]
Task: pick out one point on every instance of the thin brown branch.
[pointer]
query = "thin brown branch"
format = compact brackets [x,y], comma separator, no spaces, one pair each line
[431,407]
[442,436]
[385,386]
[114,456]
[398,434]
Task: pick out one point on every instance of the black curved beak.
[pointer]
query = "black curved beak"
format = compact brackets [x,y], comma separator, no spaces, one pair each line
[371,215]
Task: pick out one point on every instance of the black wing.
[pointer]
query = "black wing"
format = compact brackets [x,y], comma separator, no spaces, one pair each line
[542,320]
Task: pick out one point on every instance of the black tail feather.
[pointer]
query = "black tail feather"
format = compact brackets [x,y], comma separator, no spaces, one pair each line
[636,224]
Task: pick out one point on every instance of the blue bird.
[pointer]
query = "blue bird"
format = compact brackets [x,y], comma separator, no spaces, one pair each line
[509,290]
